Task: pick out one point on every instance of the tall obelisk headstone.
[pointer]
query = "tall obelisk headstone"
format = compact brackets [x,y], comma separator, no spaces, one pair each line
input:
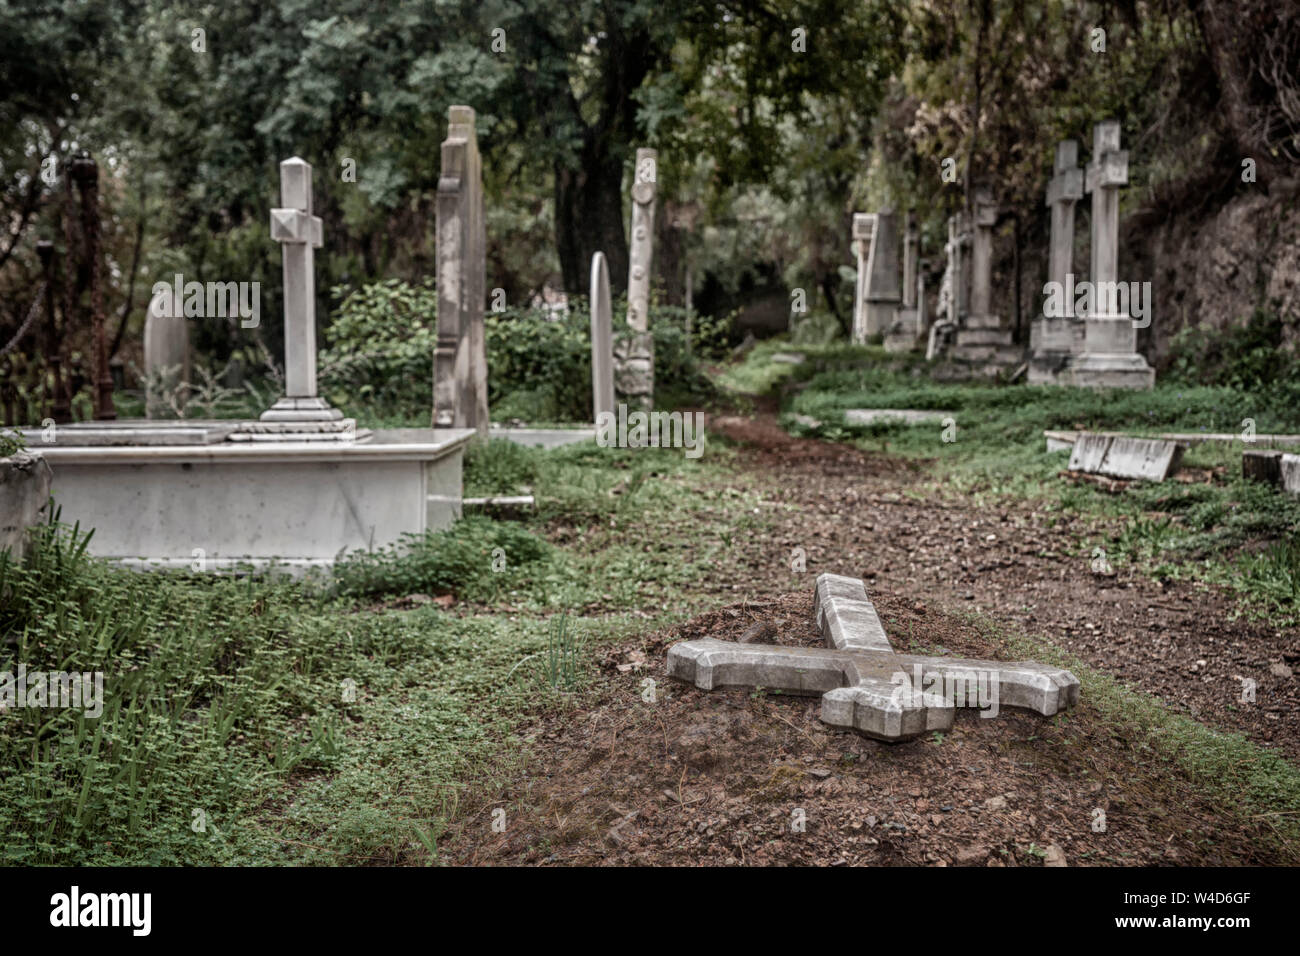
[634,348]
[903,334]
[1110,357]
[864,227]
[166,352]
[1054,339]
[882,292]
[602,342]
[460,355]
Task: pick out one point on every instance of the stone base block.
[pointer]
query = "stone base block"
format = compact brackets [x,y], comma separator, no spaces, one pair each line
[1109,370]
[299,504]
[288,409]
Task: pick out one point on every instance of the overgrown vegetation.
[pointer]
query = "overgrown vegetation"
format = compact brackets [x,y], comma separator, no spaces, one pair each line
[270,721]
[1224,529]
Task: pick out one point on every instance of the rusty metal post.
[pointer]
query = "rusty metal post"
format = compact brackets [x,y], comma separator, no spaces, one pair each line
[85,171]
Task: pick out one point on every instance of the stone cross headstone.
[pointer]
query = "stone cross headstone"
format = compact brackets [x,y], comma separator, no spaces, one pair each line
[300,414]
[864,684]
[460,355]
[864,227]
[634,349]
[1110,358]
[981,338]
[602,347]
[1055,338]
[166,353]
[299,234]
[985,215]
[911,249]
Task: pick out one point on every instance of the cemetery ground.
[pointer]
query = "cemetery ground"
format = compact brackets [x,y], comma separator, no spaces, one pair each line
[393,713]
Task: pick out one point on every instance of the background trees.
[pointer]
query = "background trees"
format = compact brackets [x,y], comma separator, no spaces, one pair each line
[774,120]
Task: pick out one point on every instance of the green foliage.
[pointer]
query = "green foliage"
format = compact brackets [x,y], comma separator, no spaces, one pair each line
[11,442]
[1248,357]
[380,347]
[499,467]
[539,364]
[470,559]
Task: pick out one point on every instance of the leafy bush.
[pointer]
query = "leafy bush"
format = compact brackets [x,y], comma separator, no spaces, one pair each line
[380,348]
[11,442]
[459,560]
[539,365]
[1246,357]
[382,337]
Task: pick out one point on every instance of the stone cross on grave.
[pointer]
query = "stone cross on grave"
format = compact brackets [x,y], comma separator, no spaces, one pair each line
[300,412]
[1110,358]
[863,683]
[1054,339]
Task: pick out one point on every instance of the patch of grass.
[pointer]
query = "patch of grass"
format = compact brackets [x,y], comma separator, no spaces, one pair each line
[1210,531]
[264,721]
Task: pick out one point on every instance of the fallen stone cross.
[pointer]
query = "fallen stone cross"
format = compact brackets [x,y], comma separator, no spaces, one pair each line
[864,684]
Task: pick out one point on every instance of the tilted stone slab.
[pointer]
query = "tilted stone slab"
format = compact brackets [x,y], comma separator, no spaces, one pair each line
[913,416]
[864,685]
[1151,459]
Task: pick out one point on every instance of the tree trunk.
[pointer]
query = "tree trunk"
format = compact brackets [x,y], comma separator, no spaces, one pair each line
[589,219]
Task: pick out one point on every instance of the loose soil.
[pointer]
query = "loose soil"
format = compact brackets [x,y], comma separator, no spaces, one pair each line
[724,777]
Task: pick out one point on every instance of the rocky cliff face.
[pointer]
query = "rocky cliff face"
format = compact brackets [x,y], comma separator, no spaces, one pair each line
[1216,269]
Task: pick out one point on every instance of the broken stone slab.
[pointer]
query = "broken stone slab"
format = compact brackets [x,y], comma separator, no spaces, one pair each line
[1060,439]
[788,358]
[1151,459]
[913,416]
[1278,468]
[1265,466]
[864,684]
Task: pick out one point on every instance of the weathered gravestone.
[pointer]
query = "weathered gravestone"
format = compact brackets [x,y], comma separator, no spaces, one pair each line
[1278,468]
[166,355]
[1054,339]
[881,292]
[602,348]
[634,348]
[863,683]
[864,227]
[905,332]
[1110,358]
[1150,459]
[981,337]
[460,355]
[300,414]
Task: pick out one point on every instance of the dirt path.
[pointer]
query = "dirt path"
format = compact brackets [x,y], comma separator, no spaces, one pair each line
[723,777]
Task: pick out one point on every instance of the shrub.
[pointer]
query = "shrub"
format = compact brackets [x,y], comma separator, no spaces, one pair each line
[459,560]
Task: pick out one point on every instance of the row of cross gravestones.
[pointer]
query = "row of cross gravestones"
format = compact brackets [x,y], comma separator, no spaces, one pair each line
[1097,347]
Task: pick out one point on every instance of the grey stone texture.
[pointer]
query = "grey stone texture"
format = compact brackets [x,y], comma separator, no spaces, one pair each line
[460,355]
[24,499]
[1110,358]
[166,352]
[602,339]
[634,349]
[863,683]
[1055,339]
[1150,459]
